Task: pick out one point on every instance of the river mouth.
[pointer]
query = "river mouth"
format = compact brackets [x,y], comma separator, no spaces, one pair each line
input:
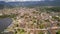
[4,23]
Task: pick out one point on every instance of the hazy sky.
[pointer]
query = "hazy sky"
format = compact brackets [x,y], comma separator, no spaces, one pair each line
[24,0]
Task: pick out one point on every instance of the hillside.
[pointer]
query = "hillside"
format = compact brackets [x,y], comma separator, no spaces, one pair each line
[34,20]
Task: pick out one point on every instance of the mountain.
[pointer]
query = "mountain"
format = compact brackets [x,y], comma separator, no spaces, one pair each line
[30,3]
[35,3]
[2,4]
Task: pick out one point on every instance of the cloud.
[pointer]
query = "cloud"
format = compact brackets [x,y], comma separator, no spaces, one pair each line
[1,0]
[25,0]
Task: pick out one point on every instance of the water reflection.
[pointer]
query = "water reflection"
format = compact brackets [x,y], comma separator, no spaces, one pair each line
[4,23]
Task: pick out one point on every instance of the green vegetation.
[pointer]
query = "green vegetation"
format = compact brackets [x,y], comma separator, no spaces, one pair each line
[40,33]
[47,20]
[41,26]
[55,9]
[56,18]
[58,32]
[8,16]
[20,31]
[22,16]
[58,24]
[35,12]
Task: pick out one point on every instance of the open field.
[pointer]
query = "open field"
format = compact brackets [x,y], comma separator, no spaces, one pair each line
[32,20]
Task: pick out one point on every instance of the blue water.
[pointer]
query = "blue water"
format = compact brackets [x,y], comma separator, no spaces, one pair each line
[4,23]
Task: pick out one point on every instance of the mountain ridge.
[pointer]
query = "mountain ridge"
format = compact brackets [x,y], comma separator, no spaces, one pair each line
[31,3]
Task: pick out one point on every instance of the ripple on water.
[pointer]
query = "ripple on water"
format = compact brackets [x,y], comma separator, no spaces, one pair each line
[4,23]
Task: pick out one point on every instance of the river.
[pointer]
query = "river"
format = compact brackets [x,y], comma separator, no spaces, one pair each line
[4,23]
